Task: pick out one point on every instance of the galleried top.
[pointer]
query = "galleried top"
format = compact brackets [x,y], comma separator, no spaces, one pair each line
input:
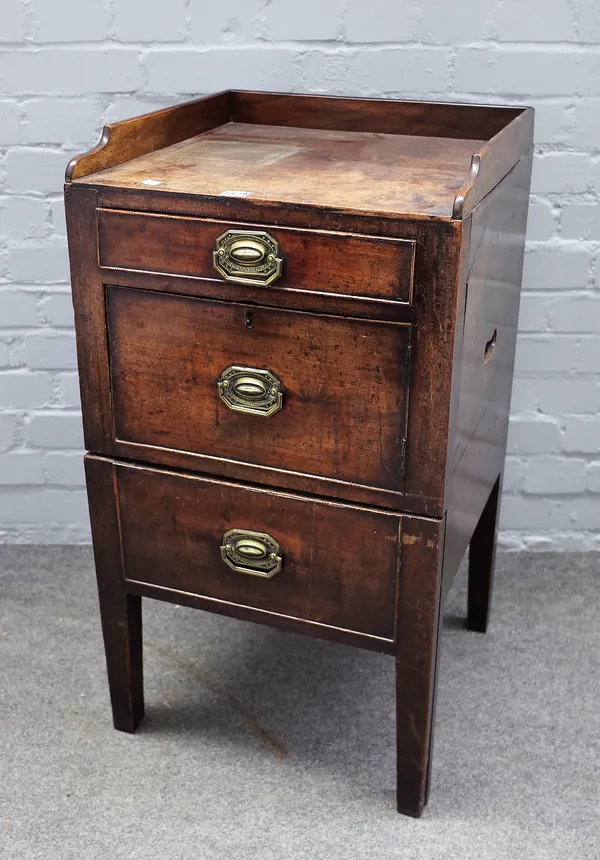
[366,156]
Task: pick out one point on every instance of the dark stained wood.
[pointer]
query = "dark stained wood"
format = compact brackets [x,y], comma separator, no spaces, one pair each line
[436,277]
[490,285]
[436,266]
[339,563]
[90,318]
[491,306]
[271,296]
[493,161]
[369,172]
[288,623]
[325,262]
[121,613]
[132,138]
[281,212]
[482,557]
[402,229]
[343,414]
[419,616]
[329,488]
[200,137]
[382,116]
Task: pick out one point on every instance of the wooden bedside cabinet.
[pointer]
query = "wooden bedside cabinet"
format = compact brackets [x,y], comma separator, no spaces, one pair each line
[296,321]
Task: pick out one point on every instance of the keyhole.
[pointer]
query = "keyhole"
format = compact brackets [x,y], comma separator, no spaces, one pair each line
[249,321]
[490,347]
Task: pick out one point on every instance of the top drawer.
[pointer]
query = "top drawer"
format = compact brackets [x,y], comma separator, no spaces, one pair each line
[302,261]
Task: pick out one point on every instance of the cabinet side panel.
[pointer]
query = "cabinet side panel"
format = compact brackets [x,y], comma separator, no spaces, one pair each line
[491,285]
[90,318]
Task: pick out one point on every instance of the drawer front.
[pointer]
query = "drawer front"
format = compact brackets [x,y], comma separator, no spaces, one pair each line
[306,261]
[303,393]
[334,564]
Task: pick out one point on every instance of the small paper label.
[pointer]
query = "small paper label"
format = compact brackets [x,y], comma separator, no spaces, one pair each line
[233,193]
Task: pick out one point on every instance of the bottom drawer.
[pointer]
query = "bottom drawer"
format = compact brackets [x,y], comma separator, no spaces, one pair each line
[326,563]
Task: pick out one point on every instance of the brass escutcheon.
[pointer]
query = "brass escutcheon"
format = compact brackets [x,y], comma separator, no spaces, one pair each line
[254,553]
[248,257]
[252,390]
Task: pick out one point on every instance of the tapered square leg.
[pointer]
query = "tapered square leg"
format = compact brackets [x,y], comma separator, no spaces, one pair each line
[482,557]
[122,630]
[121,613]
[416,660]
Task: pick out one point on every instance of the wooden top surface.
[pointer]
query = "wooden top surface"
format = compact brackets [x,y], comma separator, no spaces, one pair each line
[348,170]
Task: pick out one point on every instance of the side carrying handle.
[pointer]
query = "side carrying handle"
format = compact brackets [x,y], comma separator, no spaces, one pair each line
[490,346]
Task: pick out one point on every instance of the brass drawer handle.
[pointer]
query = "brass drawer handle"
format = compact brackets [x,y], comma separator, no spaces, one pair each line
[250,390]
[248,257]
[255,553]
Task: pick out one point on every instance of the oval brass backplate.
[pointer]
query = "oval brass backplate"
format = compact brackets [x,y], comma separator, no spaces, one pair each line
[254,553]
[251,390]
[248,257]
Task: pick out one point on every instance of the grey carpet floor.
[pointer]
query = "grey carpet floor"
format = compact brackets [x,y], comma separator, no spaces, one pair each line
[265,744]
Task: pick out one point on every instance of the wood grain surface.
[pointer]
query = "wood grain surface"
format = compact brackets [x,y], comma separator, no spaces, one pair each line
[324,262]
[344,398]
[392,330]
[120,612]
[90,317]
[339,562]
[382,116]
[356,171]
[131,138]
[490,290]
[420,615]
[492,138]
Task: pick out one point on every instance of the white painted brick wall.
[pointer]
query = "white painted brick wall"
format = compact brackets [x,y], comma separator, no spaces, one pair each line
[66,67]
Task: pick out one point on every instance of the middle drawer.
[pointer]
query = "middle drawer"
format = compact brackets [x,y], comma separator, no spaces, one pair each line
[295,392]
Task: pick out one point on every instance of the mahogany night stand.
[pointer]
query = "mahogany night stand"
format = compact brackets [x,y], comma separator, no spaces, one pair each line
[296,321]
